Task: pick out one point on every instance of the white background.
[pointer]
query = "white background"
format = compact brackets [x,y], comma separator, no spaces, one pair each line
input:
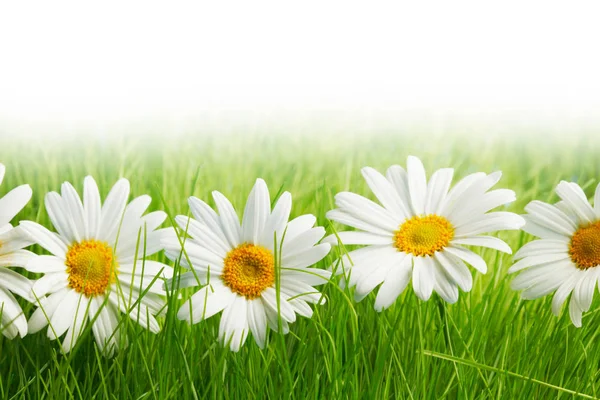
[70,63]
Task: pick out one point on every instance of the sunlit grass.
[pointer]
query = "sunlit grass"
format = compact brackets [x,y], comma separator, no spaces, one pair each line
[490,344]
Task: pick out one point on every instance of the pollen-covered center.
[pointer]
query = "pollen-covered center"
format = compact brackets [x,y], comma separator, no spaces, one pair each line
[91,267]
[248,270]
[423,236]
[585,246]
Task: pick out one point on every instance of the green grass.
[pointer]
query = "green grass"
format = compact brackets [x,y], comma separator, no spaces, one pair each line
[490,344]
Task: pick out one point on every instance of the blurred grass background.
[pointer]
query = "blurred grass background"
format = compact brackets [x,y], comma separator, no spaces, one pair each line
[490,344]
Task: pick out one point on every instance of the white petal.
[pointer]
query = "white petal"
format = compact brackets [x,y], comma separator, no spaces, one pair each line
[354,237]
[423,279]
[395,282]
[72,203]
[206,302]
[112,210]
[562,293]
[2,172]
[299,225]
[257,321]
[229,219]
[385,193]
[378,271]
[16,283]
[203,234]
[397,176]
[91,206]
[269,299]
[13,321]
[13,240]
[444,285]
[584,290]
[233,329]
[366,210]
[47,283]
[310,276]
[437,188]
[13,202]
[572,194]
[185,280]
[46,264]
[277,221]
[417,184]
[306,258]
[60,217]
[542,232]
[480,205]
[469,257]
[258,209]
[456,269]
[75,330]
[103,332]
[17,258]
[456,194]
[575,312]
[542,247]
[536,274]
[491,222]
[537,260]
[373,226]
[46,308]
[208,217]
[550,217]
[484,241]
[303,241]
[61,321]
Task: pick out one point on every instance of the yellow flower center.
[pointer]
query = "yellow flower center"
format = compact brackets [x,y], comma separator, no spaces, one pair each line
[423,236]
[585,246]
[248,270]
[91,267]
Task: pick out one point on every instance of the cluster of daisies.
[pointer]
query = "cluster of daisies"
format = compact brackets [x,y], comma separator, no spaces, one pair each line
[260,272]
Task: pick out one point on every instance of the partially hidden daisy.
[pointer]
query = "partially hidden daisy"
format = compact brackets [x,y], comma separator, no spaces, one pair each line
[419,231]
[566,258]
[97,267]
[12,242]
[237,266]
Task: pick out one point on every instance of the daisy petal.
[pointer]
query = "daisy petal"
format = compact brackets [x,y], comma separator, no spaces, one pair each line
[45,238]
[91,206]
[417,184]
[469,257]
[572,194]
[257,321]
[258,209]
[395,282]
[229,219]
[437,188]
[385,193]
[484,241]
[354,237]
[13,202]
[423,278]
[233,329]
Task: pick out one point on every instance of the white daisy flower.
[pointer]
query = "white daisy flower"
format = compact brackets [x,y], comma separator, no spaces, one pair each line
[419,232]
[566,259]
[12,242]
[97,268]
[237,265]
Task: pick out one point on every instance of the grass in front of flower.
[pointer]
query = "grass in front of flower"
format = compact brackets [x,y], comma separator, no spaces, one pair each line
[490,344]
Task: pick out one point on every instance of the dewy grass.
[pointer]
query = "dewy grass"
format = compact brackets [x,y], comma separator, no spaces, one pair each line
[490,344]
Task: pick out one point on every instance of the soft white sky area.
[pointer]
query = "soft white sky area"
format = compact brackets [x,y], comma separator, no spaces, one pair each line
[72,63]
